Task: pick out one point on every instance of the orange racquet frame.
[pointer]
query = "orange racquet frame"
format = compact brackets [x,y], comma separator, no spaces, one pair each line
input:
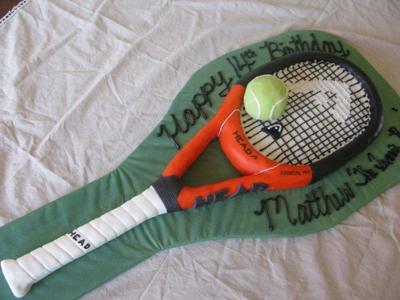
[257,169]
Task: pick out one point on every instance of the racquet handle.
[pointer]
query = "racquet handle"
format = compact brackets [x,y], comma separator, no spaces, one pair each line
[26,270]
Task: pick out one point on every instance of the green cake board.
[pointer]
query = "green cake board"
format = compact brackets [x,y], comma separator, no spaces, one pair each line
[280,213]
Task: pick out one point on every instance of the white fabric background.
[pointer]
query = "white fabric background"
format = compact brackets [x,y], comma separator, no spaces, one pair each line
[83,82]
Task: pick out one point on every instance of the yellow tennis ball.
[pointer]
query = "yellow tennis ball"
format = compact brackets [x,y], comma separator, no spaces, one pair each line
[265,97]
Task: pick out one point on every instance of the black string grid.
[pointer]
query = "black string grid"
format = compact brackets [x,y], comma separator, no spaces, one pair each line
[317,121]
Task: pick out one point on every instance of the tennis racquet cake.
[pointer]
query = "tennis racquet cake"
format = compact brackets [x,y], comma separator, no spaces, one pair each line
[333,113]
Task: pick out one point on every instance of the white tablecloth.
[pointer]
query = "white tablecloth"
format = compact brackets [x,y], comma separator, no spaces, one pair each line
[82,83]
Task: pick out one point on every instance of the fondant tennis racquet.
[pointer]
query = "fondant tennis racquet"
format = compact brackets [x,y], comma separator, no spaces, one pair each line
[334,112]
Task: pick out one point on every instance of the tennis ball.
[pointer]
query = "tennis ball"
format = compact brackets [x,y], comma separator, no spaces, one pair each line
[265,97]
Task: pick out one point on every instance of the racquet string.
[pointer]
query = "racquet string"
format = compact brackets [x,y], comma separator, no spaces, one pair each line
[328,108]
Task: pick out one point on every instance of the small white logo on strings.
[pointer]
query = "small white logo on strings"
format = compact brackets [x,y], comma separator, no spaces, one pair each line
[332,95]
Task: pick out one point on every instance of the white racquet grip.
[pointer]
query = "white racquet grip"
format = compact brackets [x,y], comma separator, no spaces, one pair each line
[23,272]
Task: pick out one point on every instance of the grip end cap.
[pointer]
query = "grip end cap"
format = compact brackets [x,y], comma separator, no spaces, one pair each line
[18,280]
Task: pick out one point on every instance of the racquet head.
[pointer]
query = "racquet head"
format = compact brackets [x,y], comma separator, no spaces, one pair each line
[334,112]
